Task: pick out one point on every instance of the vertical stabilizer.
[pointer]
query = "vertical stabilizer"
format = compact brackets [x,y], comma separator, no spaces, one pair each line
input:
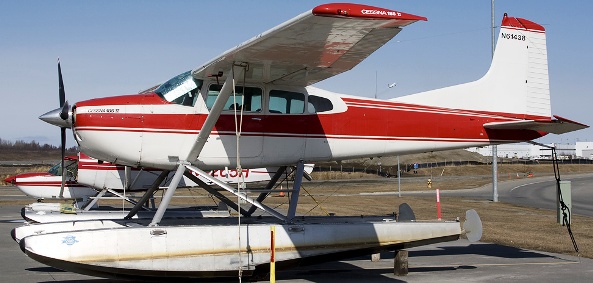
[516,83]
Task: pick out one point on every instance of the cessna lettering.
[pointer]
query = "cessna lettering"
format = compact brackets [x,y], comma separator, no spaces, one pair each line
[380,12]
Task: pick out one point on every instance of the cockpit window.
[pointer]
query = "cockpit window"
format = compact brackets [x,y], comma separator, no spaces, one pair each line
[182,89]
[246,98]
[71,167]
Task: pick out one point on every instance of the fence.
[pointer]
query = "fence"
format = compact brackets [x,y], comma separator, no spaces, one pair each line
[391,171]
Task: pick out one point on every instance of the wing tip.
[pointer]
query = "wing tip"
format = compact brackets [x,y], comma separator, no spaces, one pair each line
[363,11]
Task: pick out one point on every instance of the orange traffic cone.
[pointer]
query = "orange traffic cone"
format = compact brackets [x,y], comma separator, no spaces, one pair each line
[281,194]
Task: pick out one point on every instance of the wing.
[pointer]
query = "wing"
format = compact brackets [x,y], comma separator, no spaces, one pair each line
[316,45]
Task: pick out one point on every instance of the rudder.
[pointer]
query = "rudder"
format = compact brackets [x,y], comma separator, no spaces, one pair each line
[515,85]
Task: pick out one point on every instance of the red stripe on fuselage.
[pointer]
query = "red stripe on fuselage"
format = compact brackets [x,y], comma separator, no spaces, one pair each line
[47,184]
[363,119]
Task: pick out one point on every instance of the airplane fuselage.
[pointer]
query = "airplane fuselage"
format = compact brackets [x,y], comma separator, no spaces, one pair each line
[147,130]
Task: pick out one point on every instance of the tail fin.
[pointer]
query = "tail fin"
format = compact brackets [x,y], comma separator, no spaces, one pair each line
[516,85]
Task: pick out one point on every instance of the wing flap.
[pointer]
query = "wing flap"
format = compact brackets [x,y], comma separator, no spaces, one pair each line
[558,126]
[316,45]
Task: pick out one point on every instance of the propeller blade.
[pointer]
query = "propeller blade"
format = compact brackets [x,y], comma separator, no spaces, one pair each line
[65,109]
[61,82]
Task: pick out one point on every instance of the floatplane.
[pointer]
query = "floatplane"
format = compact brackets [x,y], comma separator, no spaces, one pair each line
[255,106]
[89,180]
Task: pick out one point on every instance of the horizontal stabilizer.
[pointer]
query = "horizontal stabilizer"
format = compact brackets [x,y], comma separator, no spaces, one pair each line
[557,126]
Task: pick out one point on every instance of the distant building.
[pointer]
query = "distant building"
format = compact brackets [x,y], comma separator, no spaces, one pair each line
[516,150]
[530,151]
[584,150]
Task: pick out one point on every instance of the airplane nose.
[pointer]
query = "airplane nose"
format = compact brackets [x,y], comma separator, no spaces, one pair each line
[56,118]
[10,179]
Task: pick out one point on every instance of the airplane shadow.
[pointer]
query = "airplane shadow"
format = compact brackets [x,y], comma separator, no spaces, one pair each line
[329,272]
[343,271]
[44,269]
[492,250]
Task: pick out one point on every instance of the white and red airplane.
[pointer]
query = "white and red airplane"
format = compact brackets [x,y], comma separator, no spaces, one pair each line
[47,185]
[255,106]
[87,177]
[89,180]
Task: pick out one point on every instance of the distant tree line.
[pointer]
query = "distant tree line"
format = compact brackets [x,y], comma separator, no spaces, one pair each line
[32,146]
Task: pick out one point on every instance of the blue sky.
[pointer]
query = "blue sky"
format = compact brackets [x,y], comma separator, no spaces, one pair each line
[121,47]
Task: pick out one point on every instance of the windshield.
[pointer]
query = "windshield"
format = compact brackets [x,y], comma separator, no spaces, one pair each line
[181,89]
[70,165]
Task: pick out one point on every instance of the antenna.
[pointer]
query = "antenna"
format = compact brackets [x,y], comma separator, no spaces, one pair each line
[375,84]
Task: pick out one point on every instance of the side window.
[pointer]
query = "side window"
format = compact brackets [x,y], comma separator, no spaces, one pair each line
[71,167]
[286,102]
[319,104]
[247,98]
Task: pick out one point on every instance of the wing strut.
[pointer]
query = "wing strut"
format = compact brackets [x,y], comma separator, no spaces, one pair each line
[226,91]
[223,96]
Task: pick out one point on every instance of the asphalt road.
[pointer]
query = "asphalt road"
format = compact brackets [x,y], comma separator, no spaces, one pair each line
[542,194]
[537,192]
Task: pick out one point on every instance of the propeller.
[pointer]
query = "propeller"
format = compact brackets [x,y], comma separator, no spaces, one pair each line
[62,118]
[62,94]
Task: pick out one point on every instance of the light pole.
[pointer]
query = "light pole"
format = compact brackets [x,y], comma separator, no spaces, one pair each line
[494,147]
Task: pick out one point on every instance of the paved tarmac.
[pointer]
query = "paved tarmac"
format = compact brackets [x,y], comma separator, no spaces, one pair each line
[538,192]
[458,261]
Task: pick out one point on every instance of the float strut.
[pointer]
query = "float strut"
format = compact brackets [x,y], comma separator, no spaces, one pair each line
[268,187]
[148,194]
[296,189]
[168,195]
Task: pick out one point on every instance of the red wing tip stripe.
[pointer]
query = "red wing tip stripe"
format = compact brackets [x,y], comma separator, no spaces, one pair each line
[362,11]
